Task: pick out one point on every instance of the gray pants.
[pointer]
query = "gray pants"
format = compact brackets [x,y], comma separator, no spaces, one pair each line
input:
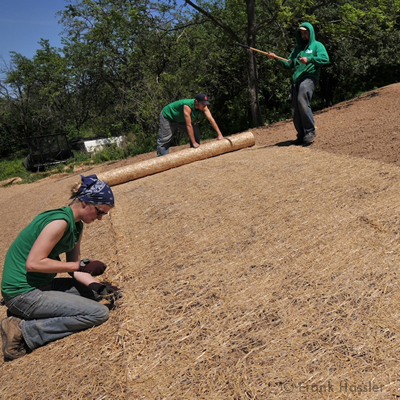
[56,311]
[167,129]
[301,109]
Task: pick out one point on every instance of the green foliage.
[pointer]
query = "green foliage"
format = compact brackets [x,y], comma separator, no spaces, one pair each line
[11,169]
[123,61]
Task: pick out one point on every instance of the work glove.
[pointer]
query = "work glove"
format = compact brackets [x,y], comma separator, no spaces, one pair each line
[94,268]
[106,292]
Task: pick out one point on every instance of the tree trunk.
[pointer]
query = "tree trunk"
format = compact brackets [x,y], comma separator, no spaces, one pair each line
[252,66]
[255,111]
[256,116]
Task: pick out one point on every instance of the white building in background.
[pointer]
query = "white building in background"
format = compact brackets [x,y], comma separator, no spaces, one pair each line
[98,144]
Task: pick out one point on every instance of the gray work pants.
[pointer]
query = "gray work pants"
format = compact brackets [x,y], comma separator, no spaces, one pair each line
[167,129]
[56,311]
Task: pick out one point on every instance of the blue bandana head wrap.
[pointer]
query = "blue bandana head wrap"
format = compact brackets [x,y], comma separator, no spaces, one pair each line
[94,191]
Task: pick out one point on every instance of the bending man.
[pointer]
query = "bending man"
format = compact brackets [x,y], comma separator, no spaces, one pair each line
[179,115]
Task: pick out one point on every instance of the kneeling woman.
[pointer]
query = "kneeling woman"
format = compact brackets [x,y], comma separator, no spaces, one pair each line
[43,308]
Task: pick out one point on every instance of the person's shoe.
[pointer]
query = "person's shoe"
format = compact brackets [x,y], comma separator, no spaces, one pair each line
[308,139]
[13,341]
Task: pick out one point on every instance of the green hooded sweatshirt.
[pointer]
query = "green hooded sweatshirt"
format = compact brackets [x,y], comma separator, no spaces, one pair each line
[315,52]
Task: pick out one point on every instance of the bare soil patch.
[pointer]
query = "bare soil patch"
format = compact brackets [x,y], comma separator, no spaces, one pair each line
[267,273]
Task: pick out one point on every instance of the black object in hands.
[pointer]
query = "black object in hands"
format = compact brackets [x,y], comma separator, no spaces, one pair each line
[94,268]
[106,292]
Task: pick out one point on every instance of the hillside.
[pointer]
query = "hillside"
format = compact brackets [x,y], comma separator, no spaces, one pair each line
[267,273]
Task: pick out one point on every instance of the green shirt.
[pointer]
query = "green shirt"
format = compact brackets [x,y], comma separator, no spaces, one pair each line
[16,280]
[174,111]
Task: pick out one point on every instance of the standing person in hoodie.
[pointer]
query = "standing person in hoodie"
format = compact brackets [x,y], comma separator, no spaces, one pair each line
[306,60]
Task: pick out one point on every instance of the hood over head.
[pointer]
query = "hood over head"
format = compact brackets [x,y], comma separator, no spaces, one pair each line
[310,28]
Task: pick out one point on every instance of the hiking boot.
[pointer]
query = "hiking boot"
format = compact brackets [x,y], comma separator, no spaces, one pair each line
[13,341]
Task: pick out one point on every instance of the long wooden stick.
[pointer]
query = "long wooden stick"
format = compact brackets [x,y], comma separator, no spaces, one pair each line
[262,52]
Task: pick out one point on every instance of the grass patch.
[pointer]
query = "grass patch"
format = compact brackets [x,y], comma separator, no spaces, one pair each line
[12,168]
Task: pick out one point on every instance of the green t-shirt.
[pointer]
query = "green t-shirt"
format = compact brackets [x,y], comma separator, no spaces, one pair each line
[16,280]
[174,111]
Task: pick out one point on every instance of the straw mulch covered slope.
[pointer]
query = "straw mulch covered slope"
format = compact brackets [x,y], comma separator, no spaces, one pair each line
[267,273]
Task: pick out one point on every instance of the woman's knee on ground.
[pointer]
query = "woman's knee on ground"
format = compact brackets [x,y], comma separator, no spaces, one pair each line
[101,314]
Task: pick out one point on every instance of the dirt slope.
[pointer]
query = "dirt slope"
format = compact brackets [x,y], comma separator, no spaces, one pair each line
[270,272]
[366,126]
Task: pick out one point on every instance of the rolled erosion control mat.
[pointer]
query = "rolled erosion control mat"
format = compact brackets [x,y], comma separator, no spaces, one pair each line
[185,156]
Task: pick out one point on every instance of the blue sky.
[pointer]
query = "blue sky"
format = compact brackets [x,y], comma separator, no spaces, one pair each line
[24,22]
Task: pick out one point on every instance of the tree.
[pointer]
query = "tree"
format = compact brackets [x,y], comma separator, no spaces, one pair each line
[37,89]
[124,60]
[125,56]
[252,28]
